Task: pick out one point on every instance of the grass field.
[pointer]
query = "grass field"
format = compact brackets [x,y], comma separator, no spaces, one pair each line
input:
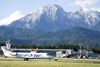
[62,62]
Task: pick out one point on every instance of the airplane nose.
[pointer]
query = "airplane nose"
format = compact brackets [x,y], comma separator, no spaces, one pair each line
[52,57]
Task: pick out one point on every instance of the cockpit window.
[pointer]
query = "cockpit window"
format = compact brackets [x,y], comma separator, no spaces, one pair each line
[48,54]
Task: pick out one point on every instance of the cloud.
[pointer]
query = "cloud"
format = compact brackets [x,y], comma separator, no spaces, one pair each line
[95,8]
[14,16]
[62,1]
[84,2]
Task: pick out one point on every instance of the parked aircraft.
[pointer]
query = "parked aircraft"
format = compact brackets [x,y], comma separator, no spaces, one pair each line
[25,56]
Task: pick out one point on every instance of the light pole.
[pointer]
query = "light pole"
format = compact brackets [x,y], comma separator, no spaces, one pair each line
[87,52]
[80,49]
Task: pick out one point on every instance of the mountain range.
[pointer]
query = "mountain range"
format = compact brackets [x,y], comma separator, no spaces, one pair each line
[50,18]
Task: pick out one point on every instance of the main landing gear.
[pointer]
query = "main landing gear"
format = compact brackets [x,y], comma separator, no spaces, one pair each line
[25,59]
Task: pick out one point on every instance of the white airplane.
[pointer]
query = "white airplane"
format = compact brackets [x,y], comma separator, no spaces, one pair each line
[25,56]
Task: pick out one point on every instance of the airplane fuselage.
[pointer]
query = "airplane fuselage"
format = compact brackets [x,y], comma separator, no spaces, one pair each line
[30,55]
[26,56]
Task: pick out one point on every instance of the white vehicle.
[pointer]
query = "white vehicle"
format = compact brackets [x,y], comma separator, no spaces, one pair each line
[60,55]
[25,56]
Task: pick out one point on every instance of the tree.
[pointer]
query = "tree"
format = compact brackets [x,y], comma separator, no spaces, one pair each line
[57,46]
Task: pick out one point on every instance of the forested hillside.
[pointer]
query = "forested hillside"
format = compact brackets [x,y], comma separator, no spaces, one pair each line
[17,31]
[73,36]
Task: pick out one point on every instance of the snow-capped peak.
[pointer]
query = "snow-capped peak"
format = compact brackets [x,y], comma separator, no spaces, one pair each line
[49,9]
[83,9]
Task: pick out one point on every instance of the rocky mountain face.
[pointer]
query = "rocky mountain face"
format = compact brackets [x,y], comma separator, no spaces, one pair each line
[85,17]
[53,18]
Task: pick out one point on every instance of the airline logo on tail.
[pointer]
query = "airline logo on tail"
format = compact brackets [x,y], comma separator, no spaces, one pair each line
[5,50]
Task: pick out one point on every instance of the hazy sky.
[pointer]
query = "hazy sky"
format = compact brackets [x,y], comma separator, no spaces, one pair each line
[11,10]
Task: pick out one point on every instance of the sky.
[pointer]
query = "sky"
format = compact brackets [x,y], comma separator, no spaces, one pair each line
[11,10]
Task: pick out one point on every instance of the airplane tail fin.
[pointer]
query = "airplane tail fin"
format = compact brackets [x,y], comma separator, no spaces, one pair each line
[5,50]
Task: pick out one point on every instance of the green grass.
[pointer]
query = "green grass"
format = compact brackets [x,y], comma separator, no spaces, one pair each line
[62,62]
